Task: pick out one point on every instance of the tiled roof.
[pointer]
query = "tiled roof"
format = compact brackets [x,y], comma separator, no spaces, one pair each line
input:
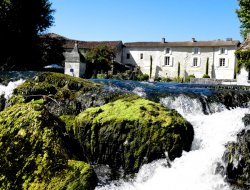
[245,45]
[70,43]
[214,43]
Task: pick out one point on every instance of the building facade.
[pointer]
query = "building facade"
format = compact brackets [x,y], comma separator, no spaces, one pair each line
[162,59]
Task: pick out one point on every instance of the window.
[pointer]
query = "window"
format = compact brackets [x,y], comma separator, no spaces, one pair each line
[222,62]
[222,50]
[167,60]
[196,51]
[195,62]
[167,50]
[128,55]
[141,56]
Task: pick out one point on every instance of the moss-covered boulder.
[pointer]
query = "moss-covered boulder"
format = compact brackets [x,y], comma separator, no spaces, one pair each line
[61,94]
[130,132]
[35,154]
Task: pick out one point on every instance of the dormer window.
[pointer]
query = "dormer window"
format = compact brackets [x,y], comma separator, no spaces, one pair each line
[168,51]
[141,56]
[223,50]
[196,50]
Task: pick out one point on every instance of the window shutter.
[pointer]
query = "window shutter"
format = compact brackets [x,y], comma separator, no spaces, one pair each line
[199,62]
[171,61]
[192,63]
[227,62]
[170,51]
[199,51]
[219,51]
[225,51]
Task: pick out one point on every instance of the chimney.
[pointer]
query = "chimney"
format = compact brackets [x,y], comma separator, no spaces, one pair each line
[229,39]
[163,40]
[193,40]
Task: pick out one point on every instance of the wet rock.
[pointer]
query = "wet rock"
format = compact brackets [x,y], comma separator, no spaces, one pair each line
[35,153]
[130,132]
[2,102]
[237,159]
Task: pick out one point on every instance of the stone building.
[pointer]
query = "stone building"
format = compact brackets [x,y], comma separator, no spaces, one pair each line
[74,63]
[191,56]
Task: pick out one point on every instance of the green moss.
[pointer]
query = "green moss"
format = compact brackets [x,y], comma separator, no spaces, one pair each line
[55,85]
[132,131]
[33,150]
[77,176]
[69,121]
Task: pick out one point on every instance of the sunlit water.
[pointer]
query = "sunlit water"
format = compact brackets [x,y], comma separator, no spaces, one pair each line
[195,170]
[8,90]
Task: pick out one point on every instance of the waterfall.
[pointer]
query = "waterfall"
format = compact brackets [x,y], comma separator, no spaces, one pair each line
[8,90]
[195,170]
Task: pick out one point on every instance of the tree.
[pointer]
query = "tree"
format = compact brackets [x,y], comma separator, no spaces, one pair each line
[21,22]
[244,16]
[100,58]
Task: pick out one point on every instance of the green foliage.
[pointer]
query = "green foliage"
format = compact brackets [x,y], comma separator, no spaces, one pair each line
[244,16]
[243,60]
[151,67]
[205,76]
[130,132]
[207,67]
[100,58]
[189,78]
[178,70]
[21,22]
[142,77]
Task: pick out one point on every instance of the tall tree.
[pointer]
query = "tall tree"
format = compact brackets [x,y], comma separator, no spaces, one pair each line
[21,22]
[244,16]
[100,58]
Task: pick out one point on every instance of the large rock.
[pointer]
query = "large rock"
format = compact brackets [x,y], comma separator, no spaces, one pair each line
[130,132]
[35,152]
[237,159]
[62,94]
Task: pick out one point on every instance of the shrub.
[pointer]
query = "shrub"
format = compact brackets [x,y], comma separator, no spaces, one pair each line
[206,76]
[189,78]
[142,77]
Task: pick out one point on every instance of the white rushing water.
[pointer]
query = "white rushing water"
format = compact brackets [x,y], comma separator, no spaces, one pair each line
[8,90]
[195,170]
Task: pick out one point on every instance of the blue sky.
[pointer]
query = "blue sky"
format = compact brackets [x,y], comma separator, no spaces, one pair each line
[146,20]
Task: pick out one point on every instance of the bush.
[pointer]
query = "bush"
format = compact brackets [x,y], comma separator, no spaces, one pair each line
[189,78]
[142,77]
[206,76]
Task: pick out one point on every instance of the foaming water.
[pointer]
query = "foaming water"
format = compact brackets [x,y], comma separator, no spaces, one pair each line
[195,170]
[8,90]
[186,105]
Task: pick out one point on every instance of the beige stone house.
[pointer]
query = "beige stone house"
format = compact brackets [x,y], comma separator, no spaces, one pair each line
[164,57]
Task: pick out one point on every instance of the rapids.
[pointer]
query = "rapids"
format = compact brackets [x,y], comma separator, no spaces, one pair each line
[197,169]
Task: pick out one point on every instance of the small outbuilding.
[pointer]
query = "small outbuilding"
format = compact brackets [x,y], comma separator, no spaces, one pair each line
[74,63]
